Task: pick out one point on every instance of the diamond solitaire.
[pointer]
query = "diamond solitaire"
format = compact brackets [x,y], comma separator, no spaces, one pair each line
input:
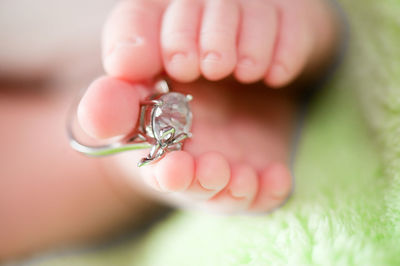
[173,111]
[167,121]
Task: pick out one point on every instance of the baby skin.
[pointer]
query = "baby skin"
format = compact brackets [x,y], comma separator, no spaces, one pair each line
[237,160]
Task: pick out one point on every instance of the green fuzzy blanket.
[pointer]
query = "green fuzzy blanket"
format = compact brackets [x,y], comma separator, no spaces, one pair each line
[346,205]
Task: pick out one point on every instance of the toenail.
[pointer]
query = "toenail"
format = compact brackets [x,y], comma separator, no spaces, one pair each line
[205,187]
[211,56]
[136,41]
[279,193]
[278,72]
[247,62]
[178,57]
[235,195]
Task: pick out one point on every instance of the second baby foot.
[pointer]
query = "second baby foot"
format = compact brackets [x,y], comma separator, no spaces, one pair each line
[272,40]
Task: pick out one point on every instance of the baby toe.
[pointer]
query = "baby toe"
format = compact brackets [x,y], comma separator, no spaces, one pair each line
[239,193]
[110,107]
[293,47]
[212,175]
[217,38]
[175,171]
[256,40]
[275,185]
[131,40]
[179,40]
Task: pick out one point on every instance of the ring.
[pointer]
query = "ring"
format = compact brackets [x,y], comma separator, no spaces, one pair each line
[164,123]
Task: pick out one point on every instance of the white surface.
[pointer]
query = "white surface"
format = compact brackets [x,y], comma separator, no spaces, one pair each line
[37,35]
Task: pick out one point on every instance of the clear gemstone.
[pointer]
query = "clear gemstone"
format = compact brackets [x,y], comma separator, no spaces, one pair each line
[174,111]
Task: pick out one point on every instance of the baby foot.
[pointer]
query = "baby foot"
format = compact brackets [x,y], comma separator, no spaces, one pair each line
[271,40]
[237,159]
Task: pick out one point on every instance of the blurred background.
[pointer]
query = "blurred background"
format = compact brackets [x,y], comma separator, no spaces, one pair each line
[44,38]
[49,50]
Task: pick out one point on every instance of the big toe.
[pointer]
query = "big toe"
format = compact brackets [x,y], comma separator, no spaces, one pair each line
[110,107]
